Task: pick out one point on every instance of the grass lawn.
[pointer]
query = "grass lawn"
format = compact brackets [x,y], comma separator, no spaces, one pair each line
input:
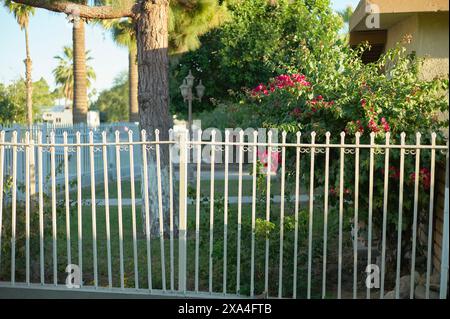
[217,253]
[219,188]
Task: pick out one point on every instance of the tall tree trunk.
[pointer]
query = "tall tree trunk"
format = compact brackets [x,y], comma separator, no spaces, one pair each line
[28,80]
[133,86]
[153,95]
[29,88]
[80,101]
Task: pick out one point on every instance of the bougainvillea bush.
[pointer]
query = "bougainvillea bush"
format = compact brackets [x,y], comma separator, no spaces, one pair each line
[344,95]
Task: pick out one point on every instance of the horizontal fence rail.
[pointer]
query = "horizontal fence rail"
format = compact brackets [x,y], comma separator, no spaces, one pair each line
[260,216]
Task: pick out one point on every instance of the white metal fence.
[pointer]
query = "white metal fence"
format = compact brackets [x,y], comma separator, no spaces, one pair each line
[296,226]
[69,134]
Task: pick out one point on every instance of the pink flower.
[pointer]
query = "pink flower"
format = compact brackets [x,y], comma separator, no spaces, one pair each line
[385,124]
[274,161]
[260,88]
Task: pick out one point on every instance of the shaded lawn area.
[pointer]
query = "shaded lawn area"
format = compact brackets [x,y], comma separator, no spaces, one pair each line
[205,185]
[204,242]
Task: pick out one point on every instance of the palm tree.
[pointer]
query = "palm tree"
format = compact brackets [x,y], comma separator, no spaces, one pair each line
[64,73]
[346,14]
[188,22]
[123,33]
[80,99]
[22,14]
[185,27]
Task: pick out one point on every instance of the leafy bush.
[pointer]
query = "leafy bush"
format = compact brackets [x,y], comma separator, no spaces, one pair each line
[345,95]
[13,100]
[260,40]
[113,103]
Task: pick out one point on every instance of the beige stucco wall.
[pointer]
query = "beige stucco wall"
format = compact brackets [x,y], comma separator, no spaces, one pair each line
[433,44]
[428,38]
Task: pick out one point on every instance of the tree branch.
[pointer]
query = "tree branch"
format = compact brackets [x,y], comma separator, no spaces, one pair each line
[83,11]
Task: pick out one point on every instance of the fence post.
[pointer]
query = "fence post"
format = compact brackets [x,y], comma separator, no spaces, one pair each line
[444,256]
[183,211]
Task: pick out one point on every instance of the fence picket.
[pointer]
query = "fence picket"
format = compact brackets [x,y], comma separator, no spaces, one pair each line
[172,270]
[211,212]
[239,219]
[283,173]
[197,208]
[311,211]
[385,211]
[119,208]
[269,171]
[107,217]
[252,262]
[430,216]
[79,207]
[160,211]
[356,217]
[325,215]
[400,216]
[147,209]
[225,215]
[54,221]
[27,151]
[67,198]
[2,156]
[341,212]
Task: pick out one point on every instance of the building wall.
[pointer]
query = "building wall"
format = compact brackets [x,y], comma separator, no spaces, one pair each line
[428,38]
[432,43]
[439,216]
[408,26]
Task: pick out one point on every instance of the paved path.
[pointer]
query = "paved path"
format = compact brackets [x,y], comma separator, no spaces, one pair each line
[231,200]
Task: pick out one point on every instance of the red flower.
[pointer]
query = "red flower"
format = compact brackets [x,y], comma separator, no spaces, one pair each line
[363,102]
[424,177]
[394,172]
[373,126]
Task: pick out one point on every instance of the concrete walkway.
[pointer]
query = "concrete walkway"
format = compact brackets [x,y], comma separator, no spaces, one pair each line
[231,200]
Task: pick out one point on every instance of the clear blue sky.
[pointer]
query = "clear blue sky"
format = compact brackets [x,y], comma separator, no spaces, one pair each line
[49,32]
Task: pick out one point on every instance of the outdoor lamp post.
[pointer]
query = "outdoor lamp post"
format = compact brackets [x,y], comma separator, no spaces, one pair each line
[186,92]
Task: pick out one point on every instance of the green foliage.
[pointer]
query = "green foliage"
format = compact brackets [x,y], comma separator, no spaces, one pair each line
[113,103]
[264,228]
[13,100]
[122,31]
[21,12]
[34,229]
[189,19]
[346,14]
[64,73]
[258,42]
[341,94]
